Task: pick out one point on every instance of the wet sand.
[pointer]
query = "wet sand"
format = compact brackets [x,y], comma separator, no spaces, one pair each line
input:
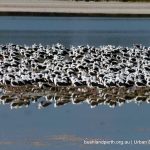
[50,7]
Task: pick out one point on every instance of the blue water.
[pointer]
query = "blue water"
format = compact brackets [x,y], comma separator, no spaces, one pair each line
[75,31]
[24,128]
[67,127]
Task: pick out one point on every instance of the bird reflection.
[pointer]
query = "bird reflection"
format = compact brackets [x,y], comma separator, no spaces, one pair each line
[60,96]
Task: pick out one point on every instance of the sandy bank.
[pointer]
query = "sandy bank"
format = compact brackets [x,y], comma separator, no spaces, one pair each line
[49,7]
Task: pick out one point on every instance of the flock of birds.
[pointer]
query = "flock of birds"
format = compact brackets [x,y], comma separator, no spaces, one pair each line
[62,96]
[89,66]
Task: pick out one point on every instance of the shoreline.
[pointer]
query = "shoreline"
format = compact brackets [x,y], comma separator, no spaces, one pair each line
[57,14]
[76,9]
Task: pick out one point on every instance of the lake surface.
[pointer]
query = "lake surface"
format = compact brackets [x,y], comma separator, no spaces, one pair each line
[69,126]
[76,31]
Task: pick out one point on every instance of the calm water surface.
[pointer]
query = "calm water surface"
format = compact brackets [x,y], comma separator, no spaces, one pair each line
[67,127]
[93,31]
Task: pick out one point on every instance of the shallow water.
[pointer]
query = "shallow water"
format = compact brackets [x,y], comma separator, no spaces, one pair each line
[67,127]
[76,31]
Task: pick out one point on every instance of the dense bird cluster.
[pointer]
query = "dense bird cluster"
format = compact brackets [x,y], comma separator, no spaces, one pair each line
[59,96]
[46,66]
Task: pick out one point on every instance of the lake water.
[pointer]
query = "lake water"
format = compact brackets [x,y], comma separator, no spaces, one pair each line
[69,126]
[68,30]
